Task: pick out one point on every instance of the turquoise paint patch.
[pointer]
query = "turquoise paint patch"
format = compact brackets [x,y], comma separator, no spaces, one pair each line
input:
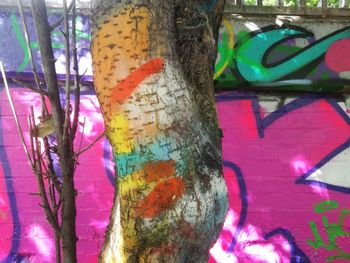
[129,163]
[251,52]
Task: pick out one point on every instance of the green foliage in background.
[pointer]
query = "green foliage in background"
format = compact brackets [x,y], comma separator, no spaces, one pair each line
[309,3]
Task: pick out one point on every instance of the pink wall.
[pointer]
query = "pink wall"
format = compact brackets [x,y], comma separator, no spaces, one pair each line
[287,169]
[32,240]
[280,163]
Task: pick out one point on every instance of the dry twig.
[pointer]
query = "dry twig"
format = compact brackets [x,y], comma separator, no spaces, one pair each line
[15,116]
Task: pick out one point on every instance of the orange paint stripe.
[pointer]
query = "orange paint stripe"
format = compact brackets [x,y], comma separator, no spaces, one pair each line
[126,87]
[164,195]
[158,170]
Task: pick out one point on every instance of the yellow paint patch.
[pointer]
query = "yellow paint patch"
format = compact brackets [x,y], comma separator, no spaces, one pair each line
[131,182]
[118,134]
[147,178]
[230,46]
[119,46]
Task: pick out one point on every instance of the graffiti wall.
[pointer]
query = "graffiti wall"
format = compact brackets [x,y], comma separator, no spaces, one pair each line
[287,167]
[286,158]
[283,53]
[286,161]
[25,234]
[14,53]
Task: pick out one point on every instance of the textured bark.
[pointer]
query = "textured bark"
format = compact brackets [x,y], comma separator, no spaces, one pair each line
[153,70]
[46,52]
[68,215]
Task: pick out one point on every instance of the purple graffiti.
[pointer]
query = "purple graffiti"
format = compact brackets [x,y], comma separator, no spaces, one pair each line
[272,158]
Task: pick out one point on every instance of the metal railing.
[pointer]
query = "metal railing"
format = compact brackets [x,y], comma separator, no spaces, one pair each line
[325,8]
[290,3]
[84,4]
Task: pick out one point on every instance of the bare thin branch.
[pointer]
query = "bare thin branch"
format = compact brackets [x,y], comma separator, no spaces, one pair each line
[24,85]
[46,51]
[26,36]
[39,175]
[58,247]
[51,171]
[82,135]
[82,76]
[60,20]
[12,105]
[31,127]
[34,193]
[56,24]
[76,76]
[66,125]
[90,145]
[30,52]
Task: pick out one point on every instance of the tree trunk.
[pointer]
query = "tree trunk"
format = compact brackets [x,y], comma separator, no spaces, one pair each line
[64,145]
[68,214]
[153,72]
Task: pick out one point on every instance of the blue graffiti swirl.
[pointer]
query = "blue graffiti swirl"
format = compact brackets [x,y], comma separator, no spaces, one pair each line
[253,50]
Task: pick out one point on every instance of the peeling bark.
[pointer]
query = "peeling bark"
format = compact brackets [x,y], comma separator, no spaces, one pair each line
[153,70]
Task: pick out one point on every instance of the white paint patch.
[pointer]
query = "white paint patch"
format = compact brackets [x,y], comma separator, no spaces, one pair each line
[291,82]
[42,241]
[344,75]
[335,172]
[2,202]
[217,251]
[251,26]
[158,102]
[270,104]
[99,224]
[300,165]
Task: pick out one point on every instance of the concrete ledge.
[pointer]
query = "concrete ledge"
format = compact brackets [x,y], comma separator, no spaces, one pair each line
[82,4]
[230,8]
[344,13]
